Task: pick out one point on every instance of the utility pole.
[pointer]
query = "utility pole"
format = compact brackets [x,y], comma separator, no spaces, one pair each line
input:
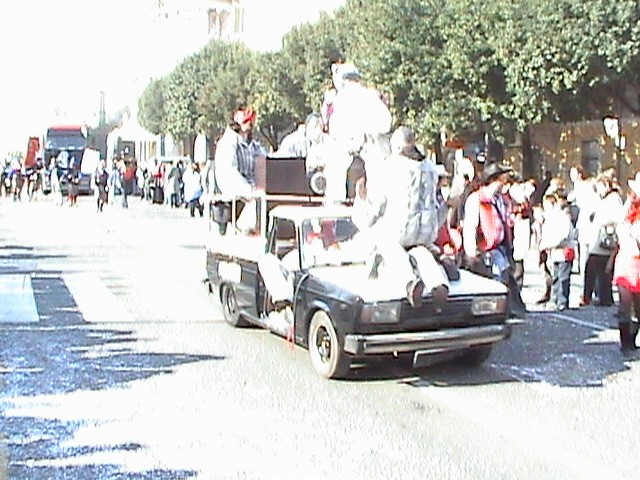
[103,114]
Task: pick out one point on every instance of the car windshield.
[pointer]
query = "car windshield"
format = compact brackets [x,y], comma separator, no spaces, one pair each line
[65,141]
[331,241]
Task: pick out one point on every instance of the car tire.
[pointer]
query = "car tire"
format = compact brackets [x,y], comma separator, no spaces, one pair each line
[325,349]
[230,307]
[475,356]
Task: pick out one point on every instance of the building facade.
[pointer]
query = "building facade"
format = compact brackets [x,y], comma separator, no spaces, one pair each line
[559,146]
[178,28]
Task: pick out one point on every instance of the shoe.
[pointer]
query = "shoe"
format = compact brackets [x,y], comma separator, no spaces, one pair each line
[518,312]
[584,301]
[439,296]
[627,342]
[415,289]
[450,268]
[543,300]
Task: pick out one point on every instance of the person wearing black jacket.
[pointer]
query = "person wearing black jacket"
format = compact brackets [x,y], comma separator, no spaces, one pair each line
[101,181]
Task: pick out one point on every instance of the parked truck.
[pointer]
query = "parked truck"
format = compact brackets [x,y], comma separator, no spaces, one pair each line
[65,149]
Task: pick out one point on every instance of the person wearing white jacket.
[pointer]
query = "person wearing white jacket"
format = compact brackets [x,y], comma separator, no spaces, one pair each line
[235,162]
[557,238]
[193,189]
[608,211]
[398,210]
[358,112]
[585,198]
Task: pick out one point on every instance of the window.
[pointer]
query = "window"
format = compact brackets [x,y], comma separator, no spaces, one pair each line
[285,240]
[238,20]
[213,22]
[223,23]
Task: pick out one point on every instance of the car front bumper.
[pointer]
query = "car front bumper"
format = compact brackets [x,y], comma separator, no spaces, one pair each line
[436,341]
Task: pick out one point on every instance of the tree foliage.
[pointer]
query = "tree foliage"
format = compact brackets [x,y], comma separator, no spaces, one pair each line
[223,86]
[151,109]
[308,52]
[275,97]
[462,65]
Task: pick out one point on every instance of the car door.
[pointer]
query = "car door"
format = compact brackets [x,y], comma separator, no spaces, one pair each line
[282,242]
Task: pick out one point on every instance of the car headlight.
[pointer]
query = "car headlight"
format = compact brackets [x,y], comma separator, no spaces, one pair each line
[388,312]
[489,305]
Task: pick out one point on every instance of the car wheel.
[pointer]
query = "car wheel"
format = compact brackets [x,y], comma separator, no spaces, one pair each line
[475,356]
[230,307]
[325,350]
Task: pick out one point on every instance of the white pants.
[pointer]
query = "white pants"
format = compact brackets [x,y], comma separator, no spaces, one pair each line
[335,172]
[396,263]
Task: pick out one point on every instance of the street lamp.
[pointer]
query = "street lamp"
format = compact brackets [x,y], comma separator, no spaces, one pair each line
[613,129]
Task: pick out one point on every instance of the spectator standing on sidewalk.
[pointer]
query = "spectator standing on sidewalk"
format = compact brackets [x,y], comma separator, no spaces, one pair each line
[141,180]
[556,188]
[128,173]
[584,198]
[520,193]
[170,192]
[101,182]
[179,184]
[608,210]
[73,181]
[193,189]
[487,232]
[627,267]
[56,179]
[557,240]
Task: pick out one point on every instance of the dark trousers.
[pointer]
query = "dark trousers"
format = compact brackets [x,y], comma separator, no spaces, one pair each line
[518,273]
[596,271]
[628,301]
[548,276]
[196,205]
[483,266]
[560,284]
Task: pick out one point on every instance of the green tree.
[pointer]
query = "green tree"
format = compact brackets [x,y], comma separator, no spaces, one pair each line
[97,136]
[611,46]
[182,88]
[307,54]
[399,45]
[275,96]
[225,85]
[466,65]
[151,107]
[565,61]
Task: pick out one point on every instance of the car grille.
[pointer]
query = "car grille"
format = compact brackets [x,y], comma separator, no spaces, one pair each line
[457,307]
[455,313]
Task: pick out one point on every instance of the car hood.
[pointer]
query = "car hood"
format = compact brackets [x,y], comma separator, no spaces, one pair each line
[355,279]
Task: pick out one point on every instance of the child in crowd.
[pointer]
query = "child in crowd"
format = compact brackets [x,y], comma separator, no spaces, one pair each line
[557,239]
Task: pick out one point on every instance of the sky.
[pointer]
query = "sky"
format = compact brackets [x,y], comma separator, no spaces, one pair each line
[58,55]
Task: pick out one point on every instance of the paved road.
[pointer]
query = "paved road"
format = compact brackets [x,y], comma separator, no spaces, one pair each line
[115,363]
